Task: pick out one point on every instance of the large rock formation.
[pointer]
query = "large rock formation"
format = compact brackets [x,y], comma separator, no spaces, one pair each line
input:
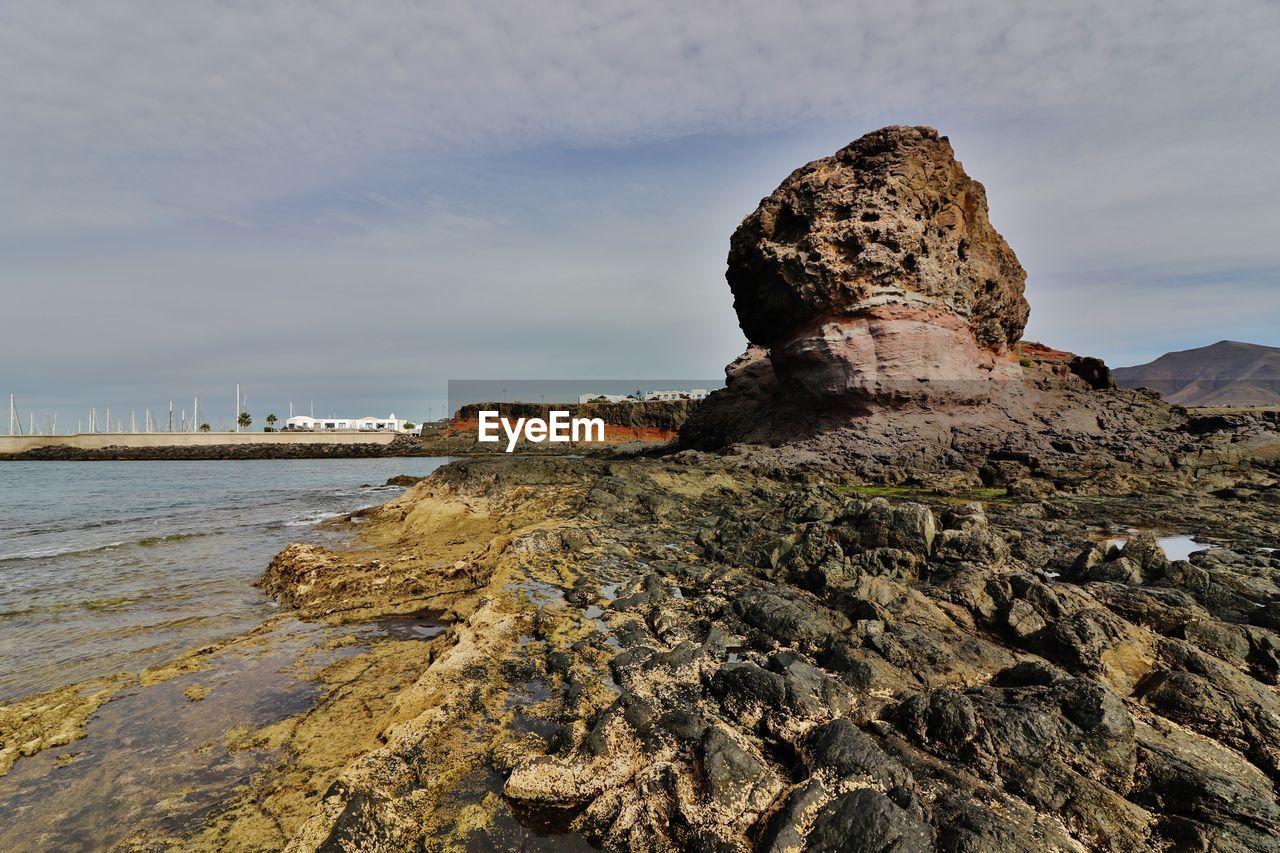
[889,220]
[884,313]
[877,267]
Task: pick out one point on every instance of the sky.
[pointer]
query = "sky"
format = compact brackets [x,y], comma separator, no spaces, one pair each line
[352,203]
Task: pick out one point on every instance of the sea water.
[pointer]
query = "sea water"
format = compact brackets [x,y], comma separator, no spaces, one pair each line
[115,566]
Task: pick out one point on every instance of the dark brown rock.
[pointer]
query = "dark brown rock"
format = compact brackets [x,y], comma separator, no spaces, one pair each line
[890,220]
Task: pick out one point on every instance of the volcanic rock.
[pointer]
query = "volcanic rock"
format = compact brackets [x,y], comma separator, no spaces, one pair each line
[889,220]
[876,265]
[884,313]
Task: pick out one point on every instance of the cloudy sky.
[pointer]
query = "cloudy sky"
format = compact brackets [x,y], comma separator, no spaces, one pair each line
[352,203]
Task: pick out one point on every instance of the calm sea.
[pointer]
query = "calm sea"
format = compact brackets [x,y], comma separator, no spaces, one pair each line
[110,566]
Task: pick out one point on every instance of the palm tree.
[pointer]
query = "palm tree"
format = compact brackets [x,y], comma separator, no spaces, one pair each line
[244,420]
[204,427]
[271,423]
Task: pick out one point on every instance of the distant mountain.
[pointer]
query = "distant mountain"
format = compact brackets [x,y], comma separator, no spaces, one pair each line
[1228,373]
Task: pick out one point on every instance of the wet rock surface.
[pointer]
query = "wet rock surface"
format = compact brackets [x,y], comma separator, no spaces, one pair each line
[728,659]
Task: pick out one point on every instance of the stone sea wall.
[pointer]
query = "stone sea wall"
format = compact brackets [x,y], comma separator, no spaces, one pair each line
[160,446]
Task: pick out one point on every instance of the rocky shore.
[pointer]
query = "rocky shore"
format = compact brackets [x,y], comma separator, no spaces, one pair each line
[899,587]
[700,654]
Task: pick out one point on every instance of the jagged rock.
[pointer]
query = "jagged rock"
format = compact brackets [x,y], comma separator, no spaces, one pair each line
[884,312]
[909,526]
[890,221]
[1023,620]
[866,821]
[1120,570]
[810,693]
[846,751]
[737,778]
[945,717]
[1097,642]
[788,619]
[1145,552]
[1068,745]
[746,691]
[1216,799]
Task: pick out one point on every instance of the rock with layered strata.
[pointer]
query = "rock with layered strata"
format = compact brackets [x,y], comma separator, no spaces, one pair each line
[884,313]
[879,265]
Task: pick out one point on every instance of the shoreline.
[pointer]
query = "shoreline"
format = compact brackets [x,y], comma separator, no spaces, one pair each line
[221,453]
[200,446]
[629,425]
[574,625]
[447,584]
[121,566]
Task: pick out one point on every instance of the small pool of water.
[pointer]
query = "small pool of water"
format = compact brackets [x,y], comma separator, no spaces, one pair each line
[417,628]
[1182,547]
[537,592]
[1175,547]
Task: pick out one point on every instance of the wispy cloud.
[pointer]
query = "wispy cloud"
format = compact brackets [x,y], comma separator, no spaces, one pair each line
[250,175]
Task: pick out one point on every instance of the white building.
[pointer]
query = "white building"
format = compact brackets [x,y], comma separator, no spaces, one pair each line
[608,398]
[691,394]
[367,424]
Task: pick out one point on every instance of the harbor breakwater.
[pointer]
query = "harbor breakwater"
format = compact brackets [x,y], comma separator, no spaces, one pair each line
[243,445]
